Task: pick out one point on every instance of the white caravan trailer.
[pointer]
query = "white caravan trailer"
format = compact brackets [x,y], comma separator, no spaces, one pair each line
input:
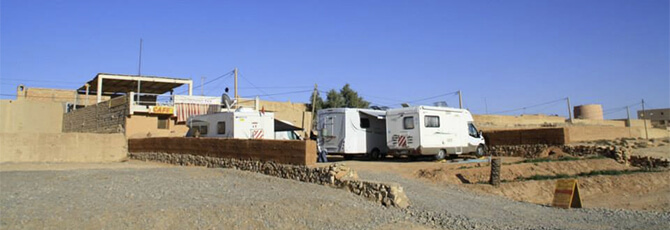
[428,130]
[243,123]
[349,132]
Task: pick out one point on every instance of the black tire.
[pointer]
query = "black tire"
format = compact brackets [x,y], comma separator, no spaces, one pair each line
[374,154]
[481,151]
[348,157]
[440,155]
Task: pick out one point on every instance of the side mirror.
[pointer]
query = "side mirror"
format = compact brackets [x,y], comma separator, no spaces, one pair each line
[480,134]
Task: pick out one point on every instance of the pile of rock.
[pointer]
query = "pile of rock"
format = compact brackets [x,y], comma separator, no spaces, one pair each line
[526,151]
[634,143]
[649,162]
[619,150]
[335,175]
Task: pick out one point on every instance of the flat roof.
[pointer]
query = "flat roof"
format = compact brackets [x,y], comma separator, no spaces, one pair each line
[123,83]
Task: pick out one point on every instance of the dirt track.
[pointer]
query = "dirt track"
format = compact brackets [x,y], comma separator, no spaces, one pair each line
[138,196]
[135,195]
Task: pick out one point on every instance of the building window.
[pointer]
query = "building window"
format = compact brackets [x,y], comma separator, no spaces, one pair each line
[163,122]
[432,121]
[365,123]
[221,127]
[408,122]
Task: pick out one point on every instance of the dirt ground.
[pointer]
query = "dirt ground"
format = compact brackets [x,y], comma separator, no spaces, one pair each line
[658,152]
[639,191]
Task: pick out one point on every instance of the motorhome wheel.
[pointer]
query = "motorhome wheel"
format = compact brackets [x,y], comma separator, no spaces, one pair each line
[374,154]
[440,155]
[481,151]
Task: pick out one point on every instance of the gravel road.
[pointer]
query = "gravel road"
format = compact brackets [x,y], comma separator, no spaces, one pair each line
[181,198]
[449,206]
[193,197]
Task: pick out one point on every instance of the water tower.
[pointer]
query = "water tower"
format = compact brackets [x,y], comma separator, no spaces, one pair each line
[589,112]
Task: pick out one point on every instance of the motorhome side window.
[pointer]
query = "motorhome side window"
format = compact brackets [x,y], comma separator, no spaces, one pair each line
[432,121]
[473,130]
[365,123]
[408,122]
[203,129]
[221,127]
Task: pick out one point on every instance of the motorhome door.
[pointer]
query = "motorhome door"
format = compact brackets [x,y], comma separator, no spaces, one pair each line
[332,131]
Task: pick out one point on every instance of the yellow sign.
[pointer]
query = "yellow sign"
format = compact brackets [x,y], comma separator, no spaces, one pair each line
[566,194]
[162,109]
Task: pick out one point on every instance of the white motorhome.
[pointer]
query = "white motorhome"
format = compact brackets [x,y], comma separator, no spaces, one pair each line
[243,123]
[350,131]
[428,130]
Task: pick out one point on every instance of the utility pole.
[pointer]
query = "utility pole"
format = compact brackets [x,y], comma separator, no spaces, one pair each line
[486,106]
[237,97]
[313,105]
[460,99]
[646,133]
[139,68]
[139,73]
[630,134]
[569,110]
[202,86]
[314,99]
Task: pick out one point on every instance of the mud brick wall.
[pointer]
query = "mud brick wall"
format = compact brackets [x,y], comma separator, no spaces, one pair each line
[278,151]
[548,136]
[104,117]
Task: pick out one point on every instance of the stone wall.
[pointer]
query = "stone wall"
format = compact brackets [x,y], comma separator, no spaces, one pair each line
[555,136]
[614,150]
[649,162]
[104,117]
[62,147]
[335,175]
[280,151]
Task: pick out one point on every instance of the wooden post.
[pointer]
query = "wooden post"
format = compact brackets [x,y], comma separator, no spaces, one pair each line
[495,171]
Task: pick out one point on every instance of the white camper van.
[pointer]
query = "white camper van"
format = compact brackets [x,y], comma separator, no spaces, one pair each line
[243,123]
[349,132]
[427,130]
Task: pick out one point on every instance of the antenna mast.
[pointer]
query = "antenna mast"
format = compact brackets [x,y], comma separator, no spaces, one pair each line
[139,68]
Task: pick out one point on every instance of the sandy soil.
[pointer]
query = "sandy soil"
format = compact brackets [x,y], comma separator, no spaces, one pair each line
[642,191]
[660,152]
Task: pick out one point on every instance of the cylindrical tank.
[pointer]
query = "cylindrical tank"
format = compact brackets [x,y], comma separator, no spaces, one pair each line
[589,112]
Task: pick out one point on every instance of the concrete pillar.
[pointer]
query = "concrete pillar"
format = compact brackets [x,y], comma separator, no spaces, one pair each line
[99,90]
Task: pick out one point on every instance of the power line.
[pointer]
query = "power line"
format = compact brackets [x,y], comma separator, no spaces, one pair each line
[527,107]
[230,73]
[252,84]
[35,80]
[273,94]
[433,97]
[277,87]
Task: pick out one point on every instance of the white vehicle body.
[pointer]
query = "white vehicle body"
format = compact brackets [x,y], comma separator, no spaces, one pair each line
[349,131]
[241,124]
[428,130]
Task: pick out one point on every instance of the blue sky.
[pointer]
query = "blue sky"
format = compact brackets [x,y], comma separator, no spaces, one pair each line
[509,54]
